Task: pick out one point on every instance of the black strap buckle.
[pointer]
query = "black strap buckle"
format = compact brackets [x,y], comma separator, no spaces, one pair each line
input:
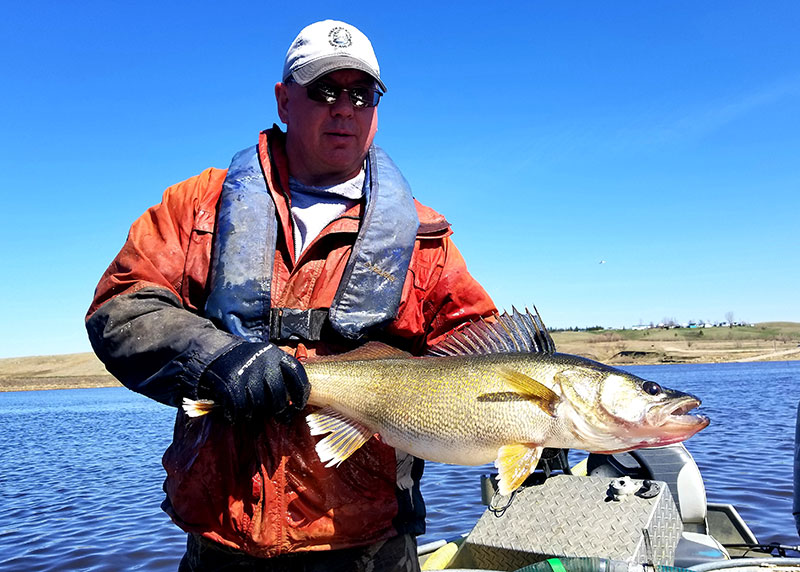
[295,324]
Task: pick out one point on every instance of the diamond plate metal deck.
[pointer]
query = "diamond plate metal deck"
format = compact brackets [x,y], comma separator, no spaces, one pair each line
[574,516]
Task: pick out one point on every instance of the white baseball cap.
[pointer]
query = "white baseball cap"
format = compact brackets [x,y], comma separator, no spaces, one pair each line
[330,45]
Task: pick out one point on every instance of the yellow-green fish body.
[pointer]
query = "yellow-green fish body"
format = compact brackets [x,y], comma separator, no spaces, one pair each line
[447,409]
[470,410]
[496,391]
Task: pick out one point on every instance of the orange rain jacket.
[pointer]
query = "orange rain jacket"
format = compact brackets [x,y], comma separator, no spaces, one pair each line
[260,487]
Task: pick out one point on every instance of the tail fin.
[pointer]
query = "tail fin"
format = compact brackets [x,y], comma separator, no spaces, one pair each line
[197,408]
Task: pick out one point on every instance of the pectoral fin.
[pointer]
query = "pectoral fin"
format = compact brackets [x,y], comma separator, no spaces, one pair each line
[514,463]
[531,389]
[344,435]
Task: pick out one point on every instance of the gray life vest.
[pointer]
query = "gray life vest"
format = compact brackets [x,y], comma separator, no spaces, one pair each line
[243,256]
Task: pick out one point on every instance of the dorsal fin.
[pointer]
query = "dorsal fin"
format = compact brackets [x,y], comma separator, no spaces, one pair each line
[369,351]
[500,333]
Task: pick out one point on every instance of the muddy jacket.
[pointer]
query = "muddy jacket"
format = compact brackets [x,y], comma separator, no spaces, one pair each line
[260,487]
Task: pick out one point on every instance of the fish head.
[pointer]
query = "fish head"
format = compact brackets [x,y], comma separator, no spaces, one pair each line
[648,411]
[620,411]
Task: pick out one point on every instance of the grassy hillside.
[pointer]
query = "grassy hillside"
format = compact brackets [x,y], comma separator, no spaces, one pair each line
[766,341]
[54,372]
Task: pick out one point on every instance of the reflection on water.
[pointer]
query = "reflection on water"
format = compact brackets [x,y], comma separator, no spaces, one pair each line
[80,472]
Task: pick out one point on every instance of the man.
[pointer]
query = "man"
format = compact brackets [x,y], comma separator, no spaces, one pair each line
[309,244]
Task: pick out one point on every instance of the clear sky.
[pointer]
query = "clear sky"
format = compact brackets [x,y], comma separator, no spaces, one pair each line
[609,162]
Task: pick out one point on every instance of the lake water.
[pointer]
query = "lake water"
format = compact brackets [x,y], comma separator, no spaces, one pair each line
[80,470]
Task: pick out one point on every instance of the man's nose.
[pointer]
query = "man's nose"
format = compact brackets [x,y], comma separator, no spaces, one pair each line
[343,105]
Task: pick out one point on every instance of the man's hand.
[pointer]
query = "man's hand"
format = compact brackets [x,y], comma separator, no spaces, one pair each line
[256,379]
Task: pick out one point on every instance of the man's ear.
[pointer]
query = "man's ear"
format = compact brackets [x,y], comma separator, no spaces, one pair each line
[282,99]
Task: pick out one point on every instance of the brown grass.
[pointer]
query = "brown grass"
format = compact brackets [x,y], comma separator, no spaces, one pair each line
[765,342]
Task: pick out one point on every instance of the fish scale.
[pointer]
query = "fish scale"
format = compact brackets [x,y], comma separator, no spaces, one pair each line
[465,409]
[435,395]
[495,390]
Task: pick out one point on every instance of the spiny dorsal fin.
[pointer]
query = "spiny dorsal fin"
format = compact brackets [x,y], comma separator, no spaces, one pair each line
[500,333]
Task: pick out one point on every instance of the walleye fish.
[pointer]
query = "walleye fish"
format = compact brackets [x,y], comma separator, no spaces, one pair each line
[495,390]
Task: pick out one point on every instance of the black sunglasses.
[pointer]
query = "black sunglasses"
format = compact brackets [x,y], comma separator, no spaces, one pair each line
[360,97]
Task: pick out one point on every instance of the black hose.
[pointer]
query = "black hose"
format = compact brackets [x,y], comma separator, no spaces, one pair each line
[772,548]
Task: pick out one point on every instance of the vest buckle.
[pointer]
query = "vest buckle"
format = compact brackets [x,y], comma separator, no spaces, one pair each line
[295,324]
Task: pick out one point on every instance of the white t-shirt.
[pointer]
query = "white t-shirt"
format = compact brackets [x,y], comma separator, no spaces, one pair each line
[313,208]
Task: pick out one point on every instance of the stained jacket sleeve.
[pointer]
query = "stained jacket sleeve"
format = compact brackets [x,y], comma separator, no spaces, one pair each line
[147,334]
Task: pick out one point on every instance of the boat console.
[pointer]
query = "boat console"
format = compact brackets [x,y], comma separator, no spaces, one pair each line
[675,466]
[645,507]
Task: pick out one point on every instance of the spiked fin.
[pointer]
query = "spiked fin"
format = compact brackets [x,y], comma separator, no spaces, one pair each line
[369,351]
[500,333]
[531,389]
[344,435]
[514,463]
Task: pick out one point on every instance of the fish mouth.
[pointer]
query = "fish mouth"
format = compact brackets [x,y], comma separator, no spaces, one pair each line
[674,420]
[683,406]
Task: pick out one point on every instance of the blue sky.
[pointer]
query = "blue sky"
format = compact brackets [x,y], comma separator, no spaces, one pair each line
[660,137]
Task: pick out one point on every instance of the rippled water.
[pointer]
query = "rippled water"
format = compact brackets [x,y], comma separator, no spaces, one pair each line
[80,482]
[746,455]
[80,472]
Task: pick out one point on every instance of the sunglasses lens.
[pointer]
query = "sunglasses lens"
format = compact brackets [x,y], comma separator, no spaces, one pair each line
[364,97]
[360,97]
[324,93]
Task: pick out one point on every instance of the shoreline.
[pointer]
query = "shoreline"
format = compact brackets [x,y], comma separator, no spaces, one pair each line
[85,371]
[8,385]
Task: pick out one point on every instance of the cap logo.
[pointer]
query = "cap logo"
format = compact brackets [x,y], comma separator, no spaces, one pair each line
[340,38]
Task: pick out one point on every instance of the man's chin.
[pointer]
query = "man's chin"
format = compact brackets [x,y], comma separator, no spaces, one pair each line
[345,160]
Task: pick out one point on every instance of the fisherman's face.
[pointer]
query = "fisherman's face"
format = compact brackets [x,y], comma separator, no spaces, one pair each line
[326,144]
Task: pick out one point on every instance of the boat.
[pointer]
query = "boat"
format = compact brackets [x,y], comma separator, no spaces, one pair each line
[641,510]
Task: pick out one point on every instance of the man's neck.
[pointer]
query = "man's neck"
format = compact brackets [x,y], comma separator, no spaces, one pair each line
[323,180]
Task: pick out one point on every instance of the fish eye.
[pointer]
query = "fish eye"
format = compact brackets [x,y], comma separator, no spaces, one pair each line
[651,387]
